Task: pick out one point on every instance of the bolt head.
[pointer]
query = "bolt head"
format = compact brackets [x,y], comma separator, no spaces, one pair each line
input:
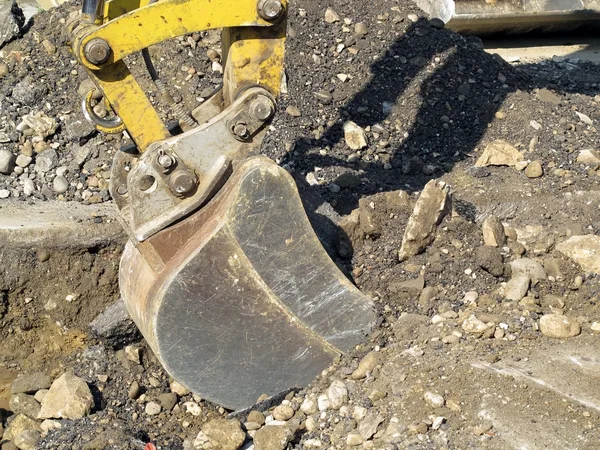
[183,183]
[240,130]
[262,108]
[97,51]
[270,9]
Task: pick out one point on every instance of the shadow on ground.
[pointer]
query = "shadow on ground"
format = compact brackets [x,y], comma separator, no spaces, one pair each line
[454,114]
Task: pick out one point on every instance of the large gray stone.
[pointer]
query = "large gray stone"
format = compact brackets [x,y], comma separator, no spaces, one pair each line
[28,91]
[24,404]
[11,21]
[431,207]
[30,384]
[114,326]
[7,161]
[46,161]
[529,268]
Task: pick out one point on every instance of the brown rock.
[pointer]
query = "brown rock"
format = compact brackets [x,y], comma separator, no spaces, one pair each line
[559,327]
[69,397]
[272,437]
[493,232]
[224,434]
[534,170]
[499,153]
[431,207]
[367,364]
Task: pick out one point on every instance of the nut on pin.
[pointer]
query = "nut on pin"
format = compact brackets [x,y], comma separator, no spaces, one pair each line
[182,183]
[262,108]
[270,10]
[166,161]
[97,51]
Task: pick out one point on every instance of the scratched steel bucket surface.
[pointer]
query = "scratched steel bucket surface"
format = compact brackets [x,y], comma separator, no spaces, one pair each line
[240,299]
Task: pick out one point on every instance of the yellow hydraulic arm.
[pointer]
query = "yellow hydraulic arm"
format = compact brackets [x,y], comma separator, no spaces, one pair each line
[253,50]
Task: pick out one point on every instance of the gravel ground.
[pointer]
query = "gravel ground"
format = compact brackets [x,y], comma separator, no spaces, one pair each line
[498,286]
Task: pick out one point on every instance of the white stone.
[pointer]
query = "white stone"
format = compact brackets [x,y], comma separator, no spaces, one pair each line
[499,153]
[152,408]
[69,397]
[309,406]
[337,394]
[434,400]
[193,408]
[323,402]
[473,325]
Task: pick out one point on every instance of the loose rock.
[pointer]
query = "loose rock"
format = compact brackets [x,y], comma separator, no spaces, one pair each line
[24,404]
[529,268]
[434,400]
[493,232]
[584,250]
[29,384]
[69,397]
[283,412]
[534,169]
[7,161]
[431,207]
[273,437]
[337,394]
[516,288]
[367,364]
[557,326]
[152,408]
[224,434]
[27,440]
[589,157]
[499,153]
[355,136]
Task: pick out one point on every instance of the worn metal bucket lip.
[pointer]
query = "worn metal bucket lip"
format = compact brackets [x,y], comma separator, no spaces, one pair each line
[478,17]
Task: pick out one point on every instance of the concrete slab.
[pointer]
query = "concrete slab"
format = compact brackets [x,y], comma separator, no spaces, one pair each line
[526,49]
[58,225]
[567,373]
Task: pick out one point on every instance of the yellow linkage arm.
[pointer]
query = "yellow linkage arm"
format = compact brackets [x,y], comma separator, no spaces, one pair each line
[253,50]
[166,19]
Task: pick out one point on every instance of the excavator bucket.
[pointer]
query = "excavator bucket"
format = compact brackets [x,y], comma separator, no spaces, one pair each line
[480,17]
[223,273]
[240,299]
